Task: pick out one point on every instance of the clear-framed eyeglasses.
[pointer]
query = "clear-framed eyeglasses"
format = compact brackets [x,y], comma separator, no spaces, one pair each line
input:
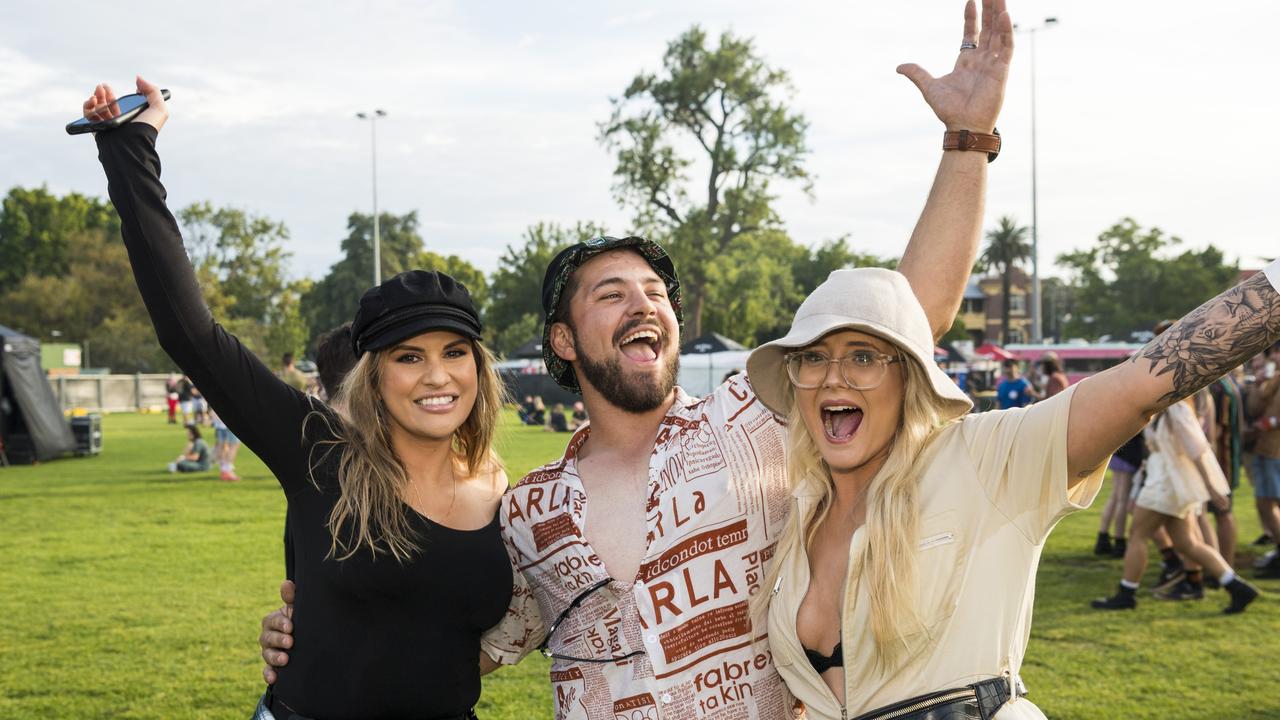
[860,369]
[545,649]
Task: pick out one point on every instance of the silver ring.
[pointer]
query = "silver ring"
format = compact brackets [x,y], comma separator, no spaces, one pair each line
[968,45]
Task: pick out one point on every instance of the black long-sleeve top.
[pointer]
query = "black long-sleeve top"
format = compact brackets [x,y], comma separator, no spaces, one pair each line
[373,638]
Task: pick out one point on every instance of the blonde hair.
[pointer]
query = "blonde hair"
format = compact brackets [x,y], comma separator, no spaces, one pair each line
[886,564]
[372,479]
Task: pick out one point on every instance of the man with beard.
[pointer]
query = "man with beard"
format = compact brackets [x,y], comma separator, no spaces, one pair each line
[642,545]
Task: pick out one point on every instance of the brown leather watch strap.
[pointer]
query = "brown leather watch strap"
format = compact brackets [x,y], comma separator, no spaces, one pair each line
[968,140]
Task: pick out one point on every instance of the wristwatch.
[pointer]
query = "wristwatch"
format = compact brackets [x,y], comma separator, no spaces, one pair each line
[969,140]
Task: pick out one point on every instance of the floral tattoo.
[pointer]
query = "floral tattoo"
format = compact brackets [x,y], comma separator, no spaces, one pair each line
[1215,337]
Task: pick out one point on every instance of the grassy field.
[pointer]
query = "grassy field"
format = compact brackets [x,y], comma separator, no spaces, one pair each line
[127,592]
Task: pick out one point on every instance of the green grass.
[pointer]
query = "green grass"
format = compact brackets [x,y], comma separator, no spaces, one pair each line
[128,592]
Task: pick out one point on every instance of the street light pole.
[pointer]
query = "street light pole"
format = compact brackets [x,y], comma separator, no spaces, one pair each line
[1037,328]
[377,241]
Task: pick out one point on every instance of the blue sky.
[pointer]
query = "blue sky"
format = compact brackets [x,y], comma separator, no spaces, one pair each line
[1165,116]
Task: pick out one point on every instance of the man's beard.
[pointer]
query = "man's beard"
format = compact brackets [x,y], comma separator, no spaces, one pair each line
[637,396]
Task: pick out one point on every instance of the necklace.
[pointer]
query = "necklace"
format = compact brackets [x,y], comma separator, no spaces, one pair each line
[421,507]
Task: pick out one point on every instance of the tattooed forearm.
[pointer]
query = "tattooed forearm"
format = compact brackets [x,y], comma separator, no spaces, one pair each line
[1215,337]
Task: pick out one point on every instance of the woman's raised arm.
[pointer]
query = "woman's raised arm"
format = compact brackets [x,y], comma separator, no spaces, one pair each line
[1111,407]
[258,407]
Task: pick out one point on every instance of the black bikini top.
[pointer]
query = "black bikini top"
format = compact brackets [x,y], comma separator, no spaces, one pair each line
[822,663]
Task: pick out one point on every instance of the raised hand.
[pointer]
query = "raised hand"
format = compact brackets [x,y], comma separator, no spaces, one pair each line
[969,97]
[102,105]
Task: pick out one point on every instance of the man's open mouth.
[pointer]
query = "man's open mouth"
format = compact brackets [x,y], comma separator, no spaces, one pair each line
[641,345]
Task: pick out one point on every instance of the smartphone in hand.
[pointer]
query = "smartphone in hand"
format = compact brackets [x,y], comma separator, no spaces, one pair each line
[129,106]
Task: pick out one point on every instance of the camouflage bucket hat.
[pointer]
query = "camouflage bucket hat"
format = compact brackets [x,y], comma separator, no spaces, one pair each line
[563,267]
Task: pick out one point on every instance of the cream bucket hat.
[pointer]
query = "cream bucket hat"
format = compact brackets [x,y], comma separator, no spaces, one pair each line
[872,300]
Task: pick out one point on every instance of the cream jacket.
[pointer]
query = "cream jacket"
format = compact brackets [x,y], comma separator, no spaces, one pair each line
[993,487]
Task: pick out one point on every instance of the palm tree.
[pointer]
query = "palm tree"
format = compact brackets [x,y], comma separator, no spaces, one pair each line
[1007,246]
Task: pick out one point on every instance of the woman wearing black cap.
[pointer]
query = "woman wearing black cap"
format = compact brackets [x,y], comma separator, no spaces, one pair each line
[393,509]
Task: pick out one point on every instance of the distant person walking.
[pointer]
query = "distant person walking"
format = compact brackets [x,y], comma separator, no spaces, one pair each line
[171,397]
[1181,474]
[1124,465]
[1263,405]
[185,393]
[199,407]
[225,447]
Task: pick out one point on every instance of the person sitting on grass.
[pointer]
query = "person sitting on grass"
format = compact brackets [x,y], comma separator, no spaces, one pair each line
[195,456]
[538,415]
[556,421]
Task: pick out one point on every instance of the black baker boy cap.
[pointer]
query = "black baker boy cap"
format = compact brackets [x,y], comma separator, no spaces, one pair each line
[409,304]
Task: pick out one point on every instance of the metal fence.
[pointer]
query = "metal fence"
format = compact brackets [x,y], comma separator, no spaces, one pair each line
[109,393]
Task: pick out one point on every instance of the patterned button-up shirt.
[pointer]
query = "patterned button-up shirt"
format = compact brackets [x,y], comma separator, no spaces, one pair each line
[717,500]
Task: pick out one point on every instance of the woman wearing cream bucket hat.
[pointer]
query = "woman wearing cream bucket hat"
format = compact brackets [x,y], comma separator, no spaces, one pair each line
[904,581]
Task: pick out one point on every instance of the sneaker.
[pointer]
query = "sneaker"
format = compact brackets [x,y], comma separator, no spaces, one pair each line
[1169,577]
[228,476]
[1263,540]
[173,467]
[1118,547]
[1266,558]
[1182,590]
[1103,545]
[1242,593]
[1271,568]
[1124,599]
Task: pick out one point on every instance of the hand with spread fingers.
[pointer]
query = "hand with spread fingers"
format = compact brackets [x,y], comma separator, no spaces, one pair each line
[277,634]
[970,96]
[102,104]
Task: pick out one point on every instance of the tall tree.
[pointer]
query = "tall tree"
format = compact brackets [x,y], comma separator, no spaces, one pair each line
[333,300]
[730,106]
[240,262]
[514,314]
[94,303]
[244,254]
[752,293]
[1006,248]
[812,266]
[38,231]
[1130,279]
[762,278]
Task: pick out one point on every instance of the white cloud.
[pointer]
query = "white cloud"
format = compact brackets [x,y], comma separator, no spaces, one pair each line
[618,22]
[493,111]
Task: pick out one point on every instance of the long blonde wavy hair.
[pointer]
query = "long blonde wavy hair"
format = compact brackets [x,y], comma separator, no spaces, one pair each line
[372,479]
[886,565]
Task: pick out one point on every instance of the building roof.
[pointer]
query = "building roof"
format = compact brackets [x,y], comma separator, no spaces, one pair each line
[973,290]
